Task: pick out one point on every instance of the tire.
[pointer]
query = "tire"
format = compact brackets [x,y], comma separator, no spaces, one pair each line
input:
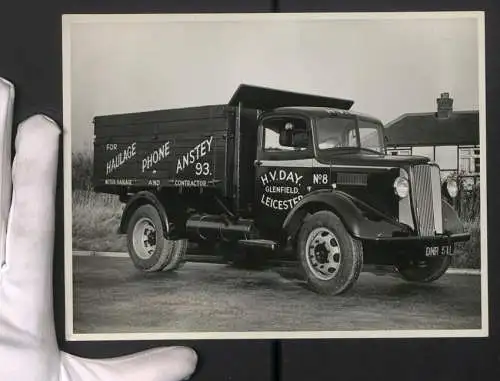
[431,269]
[157,253]
[426,271]
[344,254]
[178,252]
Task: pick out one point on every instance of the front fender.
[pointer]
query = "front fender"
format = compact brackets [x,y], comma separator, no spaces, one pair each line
[360,220]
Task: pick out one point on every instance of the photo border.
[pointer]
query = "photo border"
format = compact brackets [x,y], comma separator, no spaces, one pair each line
[69,19]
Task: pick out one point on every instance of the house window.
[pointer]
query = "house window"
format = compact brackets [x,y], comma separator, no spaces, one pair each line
[427,151]
[469,160]
[399,151]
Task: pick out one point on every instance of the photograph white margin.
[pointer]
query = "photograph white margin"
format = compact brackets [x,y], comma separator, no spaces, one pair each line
[69,19]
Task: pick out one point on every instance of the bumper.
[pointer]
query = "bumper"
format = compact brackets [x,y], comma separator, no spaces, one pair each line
[428,240]
[389,250]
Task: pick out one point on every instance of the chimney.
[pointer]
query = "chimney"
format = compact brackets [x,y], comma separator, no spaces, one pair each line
[444,105]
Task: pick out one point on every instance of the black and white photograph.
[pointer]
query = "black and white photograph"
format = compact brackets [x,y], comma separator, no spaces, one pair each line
[274,176]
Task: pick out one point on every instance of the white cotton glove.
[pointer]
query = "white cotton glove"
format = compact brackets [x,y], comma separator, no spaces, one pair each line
[28,347]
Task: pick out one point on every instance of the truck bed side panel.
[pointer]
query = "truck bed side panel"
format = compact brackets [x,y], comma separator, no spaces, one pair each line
[170,148]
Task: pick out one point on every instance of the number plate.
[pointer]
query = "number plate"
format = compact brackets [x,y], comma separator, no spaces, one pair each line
[436,251]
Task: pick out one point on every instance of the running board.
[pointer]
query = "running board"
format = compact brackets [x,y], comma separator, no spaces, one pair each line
[259,243]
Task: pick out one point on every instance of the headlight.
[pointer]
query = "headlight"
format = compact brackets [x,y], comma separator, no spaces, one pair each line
[401,187]
[452,188]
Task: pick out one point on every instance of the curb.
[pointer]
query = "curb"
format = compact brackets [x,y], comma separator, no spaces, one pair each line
[464,271]
[80,253]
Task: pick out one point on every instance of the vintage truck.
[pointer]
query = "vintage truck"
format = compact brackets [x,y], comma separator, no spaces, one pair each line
[279,176]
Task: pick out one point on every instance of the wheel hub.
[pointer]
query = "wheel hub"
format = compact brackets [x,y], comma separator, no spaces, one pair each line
[149,236]
[323,253]
[144,238]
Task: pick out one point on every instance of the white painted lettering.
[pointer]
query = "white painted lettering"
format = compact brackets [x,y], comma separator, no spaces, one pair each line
[122,157]
[281,175]
[281,182]
[264,179]
[200,150]
[156,156]
[155,183]
[320,178]
[190,183]
[280,204]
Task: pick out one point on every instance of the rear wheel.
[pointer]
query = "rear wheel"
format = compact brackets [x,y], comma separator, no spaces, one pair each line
[424,271]
[331,260]
[147,246]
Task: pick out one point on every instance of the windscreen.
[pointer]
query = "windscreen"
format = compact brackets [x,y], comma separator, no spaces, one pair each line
[370,135]
[342,132]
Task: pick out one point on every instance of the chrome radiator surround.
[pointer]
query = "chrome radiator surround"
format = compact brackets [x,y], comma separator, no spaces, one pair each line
[425,194]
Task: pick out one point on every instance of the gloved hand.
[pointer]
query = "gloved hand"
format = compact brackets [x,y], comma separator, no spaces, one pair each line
[28,347]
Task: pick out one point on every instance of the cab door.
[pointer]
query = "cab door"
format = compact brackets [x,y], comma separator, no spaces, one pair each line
[283,168]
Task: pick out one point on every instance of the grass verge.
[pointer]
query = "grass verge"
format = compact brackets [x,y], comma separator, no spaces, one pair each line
[468,254]
[96,218]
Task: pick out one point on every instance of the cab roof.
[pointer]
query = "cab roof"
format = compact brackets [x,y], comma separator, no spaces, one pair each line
[324,112]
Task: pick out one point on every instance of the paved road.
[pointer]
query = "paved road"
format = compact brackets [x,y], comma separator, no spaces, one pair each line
[111,297]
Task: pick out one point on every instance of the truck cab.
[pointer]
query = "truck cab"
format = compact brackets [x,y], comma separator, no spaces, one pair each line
[290,176]
[304,149]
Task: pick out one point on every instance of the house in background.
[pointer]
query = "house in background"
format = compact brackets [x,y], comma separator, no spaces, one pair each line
[450,138]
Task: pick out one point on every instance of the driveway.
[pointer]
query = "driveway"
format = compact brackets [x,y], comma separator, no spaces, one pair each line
[111,296]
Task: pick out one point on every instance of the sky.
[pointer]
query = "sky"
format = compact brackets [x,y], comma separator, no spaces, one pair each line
[388,67]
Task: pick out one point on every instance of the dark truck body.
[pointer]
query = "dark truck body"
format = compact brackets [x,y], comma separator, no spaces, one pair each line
[205,175]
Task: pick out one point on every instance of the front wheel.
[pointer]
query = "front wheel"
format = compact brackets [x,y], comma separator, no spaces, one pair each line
[331,260]
[147,246]
[424,271]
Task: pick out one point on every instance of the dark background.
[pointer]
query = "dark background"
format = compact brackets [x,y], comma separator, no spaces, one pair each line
[30,57]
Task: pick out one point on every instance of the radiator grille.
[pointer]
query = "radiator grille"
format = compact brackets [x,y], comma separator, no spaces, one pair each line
[427,199]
